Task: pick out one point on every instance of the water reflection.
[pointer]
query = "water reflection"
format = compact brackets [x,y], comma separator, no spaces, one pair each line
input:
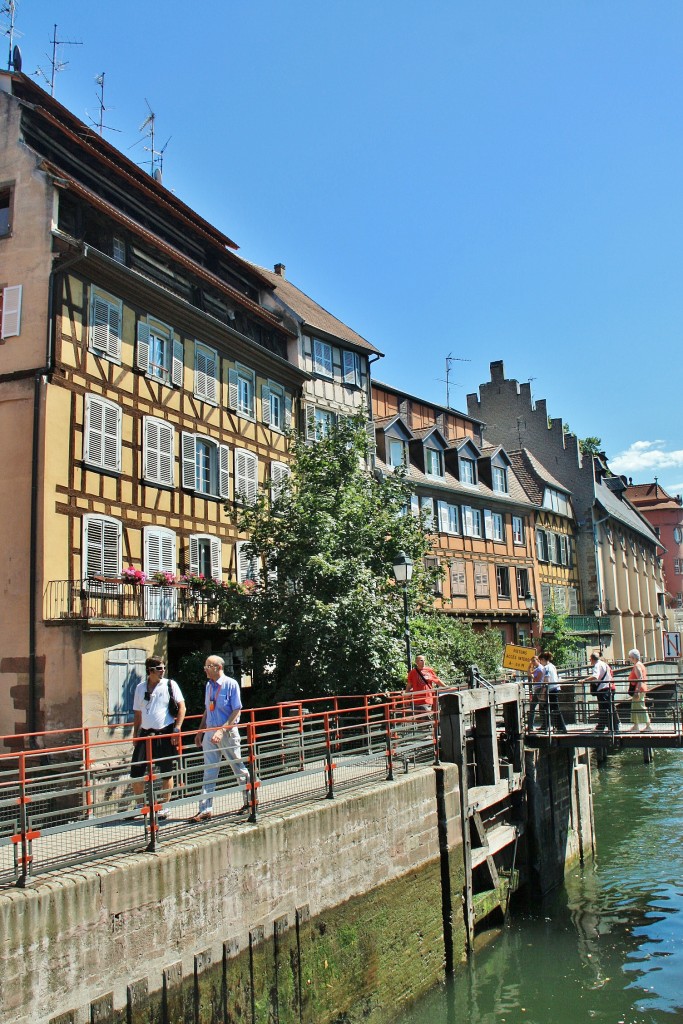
[608,947]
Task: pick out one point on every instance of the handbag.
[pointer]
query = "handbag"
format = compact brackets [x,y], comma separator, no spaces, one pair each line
[173,705]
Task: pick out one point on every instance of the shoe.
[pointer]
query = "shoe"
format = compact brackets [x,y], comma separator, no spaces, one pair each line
[202,816]
[599,728]
[648,728]
[163,814]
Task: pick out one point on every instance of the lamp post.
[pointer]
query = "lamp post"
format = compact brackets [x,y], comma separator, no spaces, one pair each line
[530,601]
[598,615]
[403,572]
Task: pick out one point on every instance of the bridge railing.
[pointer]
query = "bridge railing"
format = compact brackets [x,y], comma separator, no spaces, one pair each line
[66,798]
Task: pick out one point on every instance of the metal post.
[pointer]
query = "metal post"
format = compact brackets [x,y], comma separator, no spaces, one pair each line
[390,740]
[406,627]
[151,797]
[329,764]
[253,784]
[599,635]
[24,836]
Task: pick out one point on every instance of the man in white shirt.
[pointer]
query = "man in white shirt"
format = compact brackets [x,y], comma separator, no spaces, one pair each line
[601,684]
[553,688]
[153,717]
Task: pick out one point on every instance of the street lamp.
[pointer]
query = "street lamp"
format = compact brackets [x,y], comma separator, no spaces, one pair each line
[403,571]
[597,612]
[530,601]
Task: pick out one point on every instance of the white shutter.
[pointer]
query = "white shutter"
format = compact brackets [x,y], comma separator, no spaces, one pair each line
[414,505]
[160,550]
[265,403]
[246,475]
[309,412]
[11,311]
[443,517]
[92,430]
[216,562]
[194,554]
[223,471]
[102,434]
[288,412]
[106,326]
[112,437]
[488,524]
[177,364]
[166,435]
[278,472]
[233,388]
[158,451]
[188,457]
[111,557]
[467,523]
[101,546]
[427,506]
[573,602]
[349,367]
[142,357]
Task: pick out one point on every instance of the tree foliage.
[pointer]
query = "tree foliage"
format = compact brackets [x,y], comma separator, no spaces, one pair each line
[450,645]
[326,615]
[590,445]
[559,639]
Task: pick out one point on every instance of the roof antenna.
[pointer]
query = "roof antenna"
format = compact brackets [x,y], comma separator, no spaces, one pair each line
[449,360]
[56,65]
[101,127]
[8,9]
[156,166]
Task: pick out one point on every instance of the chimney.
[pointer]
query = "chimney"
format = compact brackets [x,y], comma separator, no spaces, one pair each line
[279,269]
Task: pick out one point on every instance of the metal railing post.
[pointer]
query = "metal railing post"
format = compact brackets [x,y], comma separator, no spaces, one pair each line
[253,784]
[329,763]
[25,835]
[151,797]
[437,730]
[87,766]
[389,739]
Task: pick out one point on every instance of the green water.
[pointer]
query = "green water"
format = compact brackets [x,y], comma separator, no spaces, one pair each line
[608,947]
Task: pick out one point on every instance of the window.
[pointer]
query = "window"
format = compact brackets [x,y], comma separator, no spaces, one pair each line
[322,357]
[503,580]
[205,556]
[522,583]
[157,451]
[555,500]
[481,579]
[352,368]
[205,465]
[125,669]
[458,578]
[241,382]
[431,563]
[276,406]
[572,601]
[319,422]
[471,521]
[467,471]
[550,544]
[678,566]
[247,562]
[560,600]
[517,530]
[246,476]
[433,462]
[106,314]
[494,526]
[101,546]
[427,506]
[159,354]
[161,603]
[397,454]
[205,373]
[11,311]
[541,545]
[448,518]
[5,211]
[500,480]
[118,249]
[102,434]
[545,596]
[278,473]
[562,544]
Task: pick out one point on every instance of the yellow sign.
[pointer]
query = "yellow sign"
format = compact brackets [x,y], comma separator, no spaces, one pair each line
[517,658]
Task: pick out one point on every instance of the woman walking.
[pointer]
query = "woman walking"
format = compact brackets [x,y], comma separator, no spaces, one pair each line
[637,688]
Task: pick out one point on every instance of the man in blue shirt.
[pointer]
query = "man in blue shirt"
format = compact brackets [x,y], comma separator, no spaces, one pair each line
[218,734]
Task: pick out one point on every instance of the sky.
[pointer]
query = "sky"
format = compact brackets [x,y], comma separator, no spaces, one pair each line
[476,178]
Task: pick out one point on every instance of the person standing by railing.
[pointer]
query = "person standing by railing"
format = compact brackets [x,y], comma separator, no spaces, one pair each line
[158,711]
[637,689]
[536,674]
[218,735]
[421,683]
[553,690]
[600,681]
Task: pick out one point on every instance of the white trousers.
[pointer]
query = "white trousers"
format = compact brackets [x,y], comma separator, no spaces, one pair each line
[229,748]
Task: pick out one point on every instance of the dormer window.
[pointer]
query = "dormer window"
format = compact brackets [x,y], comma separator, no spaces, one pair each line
[433,462]
[397,453]
[556,501]
[499,479]
[467,471]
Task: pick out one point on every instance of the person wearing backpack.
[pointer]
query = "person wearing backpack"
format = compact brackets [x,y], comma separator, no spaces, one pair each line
[158,710]
[421,683]
[603,688]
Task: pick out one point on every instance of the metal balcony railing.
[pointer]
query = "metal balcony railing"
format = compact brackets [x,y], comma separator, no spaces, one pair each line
[589,623]
[104,600]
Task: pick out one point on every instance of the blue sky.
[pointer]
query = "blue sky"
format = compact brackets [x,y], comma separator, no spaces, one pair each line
[490,179]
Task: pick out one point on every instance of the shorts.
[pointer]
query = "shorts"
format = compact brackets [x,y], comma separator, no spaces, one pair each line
[164,753]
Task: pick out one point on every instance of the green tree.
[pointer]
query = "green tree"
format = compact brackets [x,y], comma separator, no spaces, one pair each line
[450,645]
[590,445]
[559,639]
[326,615]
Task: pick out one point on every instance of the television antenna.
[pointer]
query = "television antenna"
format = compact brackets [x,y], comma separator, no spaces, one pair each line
[450,359]
[55,64]
[99,124]
[8,9]
[156,166]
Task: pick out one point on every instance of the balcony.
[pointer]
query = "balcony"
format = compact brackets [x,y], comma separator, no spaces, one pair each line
[102,602]
[589,624]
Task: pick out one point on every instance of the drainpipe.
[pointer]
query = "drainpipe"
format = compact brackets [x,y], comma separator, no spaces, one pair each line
[41,375]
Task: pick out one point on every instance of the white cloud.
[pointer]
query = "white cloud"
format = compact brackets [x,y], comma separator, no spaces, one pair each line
[645,457]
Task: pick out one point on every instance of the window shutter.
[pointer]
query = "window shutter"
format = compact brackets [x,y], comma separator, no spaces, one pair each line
[223,471]
[545,596]
[216,564]
[427,506]
[550,546]
[142,357]
[178,364]
[246,475]
[11,311]
[488,524]
[414,505]
[349,367]
[160,550]
[233,389]
[573,602]
[188,457]
[443,517]
[158,451]
[166,433]
[265,403]
[93,543]
[92,430]
[467,521]
[278,472]
[288,412]
[111,556]
[247,564]
[112,438]
[100,312]
[309,413]
[194,554]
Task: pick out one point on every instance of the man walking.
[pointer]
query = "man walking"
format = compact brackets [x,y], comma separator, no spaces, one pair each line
[552,684]
[158,711]
[421,683]
[222,706]
[601,683]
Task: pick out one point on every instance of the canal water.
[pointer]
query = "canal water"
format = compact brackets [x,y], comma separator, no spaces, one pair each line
[608,947]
